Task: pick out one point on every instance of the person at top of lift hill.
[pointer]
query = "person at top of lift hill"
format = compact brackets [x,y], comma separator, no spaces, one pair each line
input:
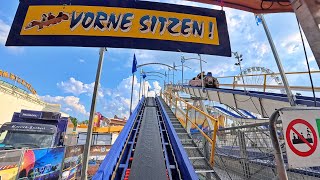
[208,80]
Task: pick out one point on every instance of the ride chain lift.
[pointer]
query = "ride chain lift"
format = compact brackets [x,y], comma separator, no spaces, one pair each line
[154,145]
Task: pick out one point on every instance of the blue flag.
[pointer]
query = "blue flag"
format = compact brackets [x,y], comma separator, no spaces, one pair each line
[134,64]
[258,20]
[144,76]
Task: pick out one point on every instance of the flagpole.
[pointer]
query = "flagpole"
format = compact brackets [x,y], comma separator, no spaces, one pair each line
[134,69]
[131,93]
[143,88]
[140,85]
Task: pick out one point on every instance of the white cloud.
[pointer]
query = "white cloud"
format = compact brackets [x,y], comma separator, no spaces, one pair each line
[69,103]
[157,87]
[292,43]
[4,32]
[67,109]
[82,60]
[118,100]
[77,87]
[310,59]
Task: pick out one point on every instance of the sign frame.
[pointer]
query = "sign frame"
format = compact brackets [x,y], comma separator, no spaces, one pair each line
[300,127]
[222,49]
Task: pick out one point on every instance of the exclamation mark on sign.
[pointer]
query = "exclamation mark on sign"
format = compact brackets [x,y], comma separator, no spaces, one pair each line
[211,30]
[318,126]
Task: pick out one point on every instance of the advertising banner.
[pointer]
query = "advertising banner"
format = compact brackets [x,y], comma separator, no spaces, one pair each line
[120,24]
[41,164]
[97,155]
[9,164]
[72,163]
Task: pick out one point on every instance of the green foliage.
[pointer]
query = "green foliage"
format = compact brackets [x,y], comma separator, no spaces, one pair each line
[74,121]
[86,122]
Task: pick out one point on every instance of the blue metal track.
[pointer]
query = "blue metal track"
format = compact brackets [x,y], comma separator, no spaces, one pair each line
[107,166]
[185,166]
[118,163]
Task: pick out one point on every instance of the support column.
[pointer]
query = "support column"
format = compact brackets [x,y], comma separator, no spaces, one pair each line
[244,156]
[86,152]
[188,123]
[308,13]
[204,109]
[291,97]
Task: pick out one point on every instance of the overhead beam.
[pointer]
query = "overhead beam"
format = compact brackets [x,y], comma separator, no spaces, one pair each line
[146,64]
[308,13]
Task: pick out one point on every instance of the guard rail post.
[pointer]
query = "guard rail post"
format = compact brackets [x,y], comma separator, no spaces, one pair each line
[175,106]
[188,125]
[264,82]
[281,170]
[213,145]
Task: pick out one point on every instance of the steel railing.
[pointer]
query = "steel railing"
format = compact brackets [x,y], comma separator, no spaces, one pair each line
[264,86]
[183,116]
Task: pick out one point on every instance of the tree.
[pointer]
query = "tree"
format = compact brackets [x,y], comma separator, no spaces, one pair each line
[74,122]
[85,122]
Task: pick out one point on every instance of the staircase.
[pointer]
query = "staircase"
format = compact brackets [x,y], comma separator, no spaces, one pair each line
[198,160]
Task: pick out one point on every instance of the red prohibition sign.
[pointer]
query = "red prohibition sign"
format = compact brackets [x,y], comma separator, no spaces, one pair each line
[312,147]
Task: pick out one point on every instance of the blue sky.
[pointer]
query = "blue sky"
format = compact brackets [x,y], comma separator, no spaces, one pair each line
[65,75]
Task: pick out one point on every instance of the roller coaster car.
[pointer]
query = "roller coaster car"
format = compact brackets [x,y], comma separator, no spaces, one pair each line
[209,81]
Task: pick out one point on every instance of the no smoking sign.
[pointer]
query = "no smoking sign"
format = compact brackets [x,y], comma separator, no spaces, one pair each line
[301,131]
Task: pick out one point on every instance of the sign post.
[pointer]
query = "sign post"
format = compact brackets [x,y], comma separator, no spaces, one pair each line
[301,133]
[86,152]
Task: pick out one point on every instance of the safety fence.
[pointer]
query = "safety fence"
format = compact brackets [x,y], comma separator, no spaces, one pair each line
[241,152]
[50,163]
[246,152]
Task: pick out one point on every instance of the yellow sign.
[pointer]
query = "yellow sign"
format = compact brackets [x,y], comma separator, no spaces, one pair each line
[13,77]
[79,20]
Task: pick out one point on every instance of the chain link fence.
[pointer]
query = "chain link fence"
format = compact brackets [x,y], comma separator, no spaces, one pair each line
[246,152]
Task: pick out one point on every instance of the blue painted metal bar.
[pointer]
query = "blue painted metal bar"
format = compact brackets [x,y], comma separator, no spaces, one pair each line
[248,113]
[227,112]
[164,142]
[185,166]
[125,161]
[106,168]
